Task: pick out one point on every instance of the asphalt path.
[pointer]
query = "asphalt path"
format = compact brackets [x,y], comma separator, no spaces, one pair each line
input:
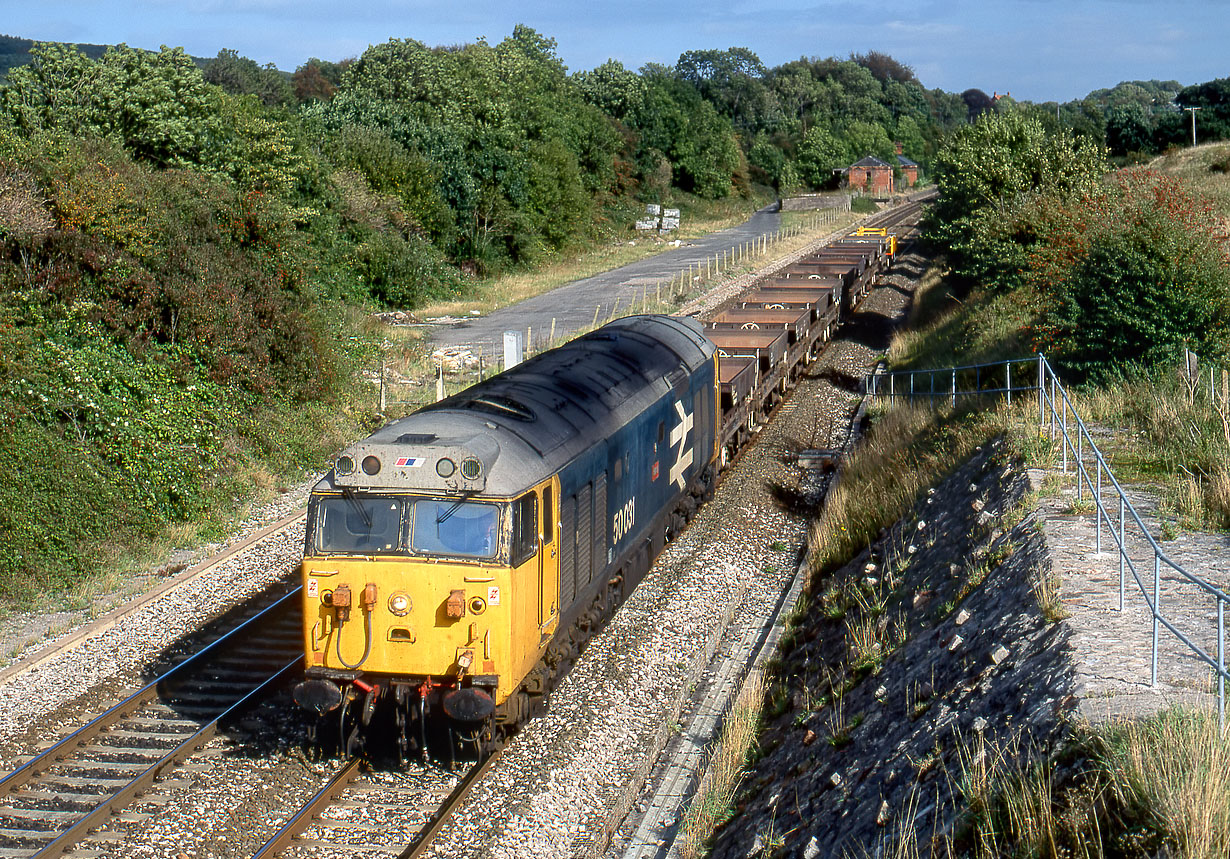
[573,305]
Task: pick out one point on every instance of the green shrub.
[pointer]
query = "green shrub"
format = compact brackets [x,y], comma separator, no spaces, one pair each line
[1143,278]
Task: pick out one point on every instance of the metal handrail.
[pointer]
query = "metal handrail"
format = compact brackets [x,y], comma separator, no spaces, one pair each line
[1054,404]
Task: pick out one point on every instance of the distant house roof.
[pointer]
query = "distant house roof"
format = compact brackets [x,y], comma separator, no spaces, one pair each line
[870,161]
[905,162]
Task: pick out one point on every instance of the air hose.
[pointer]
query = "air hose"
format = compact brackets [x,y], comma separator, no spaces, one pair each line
[367,636]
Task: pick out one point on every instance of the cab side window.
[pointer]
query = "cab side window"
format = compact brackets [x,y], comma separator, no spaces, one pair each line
[525,529]
[548,529]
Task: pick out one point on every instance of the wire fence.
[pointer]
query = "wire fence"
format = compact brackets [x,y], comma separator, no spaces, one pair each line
[1137,549]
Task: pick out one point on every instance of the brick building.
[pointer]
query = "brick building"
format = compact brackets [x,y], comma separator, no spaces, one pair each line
[909,171]
[871,176]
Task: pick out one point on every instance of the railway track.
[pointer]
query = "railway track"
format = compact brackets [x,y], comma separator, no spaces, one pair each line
[364,813]
[52,801]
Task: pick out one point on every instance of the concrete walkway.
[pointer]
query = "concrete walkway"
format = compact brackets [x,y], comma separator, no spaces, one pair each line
[1112,649]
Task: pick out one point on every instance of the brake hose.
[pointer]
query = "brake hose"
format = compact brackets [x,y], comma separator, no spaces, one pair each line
[367,635]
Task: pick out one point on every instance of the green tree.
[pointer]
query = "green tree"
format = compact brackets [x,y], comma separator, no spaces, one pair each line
[820,153]
[1129,128]
[242,76]
[868,138]
[158,106]
[733,81]
[613,89]
[985,169]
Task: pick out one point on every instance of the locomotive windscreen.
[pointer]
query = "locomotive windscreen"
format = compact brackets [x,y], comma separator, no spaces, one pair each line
[450,527]
[351,525]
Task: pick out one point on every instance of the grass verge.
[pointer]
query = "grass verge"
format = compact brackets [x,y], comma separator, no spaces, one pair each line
[713,802]
[1158,786]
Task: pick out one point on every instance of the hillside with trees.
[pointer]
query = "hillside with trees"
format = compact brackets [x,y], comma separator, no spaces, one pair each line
[190,248]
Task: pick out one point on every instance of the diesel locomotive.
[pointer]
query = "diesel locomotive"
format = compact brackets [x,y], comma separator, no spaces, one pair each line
[458,558]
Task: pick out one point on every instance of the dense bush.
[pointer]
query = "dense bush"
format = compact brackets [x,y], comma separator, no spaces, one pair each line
[987,174]
[1132,276]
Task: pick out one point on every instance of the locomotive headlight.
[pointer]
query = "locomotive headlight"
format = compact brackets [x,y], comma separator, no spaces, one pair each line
[445,467]
[399,604]
[371,465]
[478,605]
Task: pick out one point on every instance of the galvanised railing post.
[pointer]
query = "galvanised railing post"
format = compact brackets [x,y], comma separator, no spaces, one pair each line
[1097,504]
[1054,416]
[1080,467]
[954,388]
[1041,395]
[1122,549]
[1063,407]
[1221,664]
[892,389]
[1008,382]
[1157,608]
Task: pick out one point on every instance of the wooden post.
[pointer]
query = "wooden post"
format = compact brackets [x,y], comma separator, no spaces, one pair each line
[551,339]
[382,393]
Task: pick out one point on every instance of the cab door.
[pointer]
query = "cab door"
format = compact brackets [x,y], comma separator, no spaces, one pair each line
[548,569]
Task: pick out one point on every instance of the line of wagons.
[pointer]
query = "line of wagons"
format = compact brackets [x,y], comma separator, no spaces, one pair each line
[774,331]
[458,559]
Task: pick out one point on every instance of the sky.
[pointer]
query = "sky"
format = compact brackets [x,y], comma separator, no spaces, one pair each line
[1037,50]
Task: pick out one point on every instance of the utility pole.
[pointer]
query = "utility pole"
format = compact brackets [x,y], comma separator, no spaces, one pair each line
[1192,111]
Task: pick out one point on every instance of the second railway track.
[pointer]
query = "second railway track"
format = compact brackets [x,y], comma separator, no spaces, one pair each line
[53,800]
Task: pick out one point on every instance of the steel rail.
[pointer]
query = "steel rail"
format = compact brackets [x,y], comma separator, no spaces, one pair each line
[80,739]
[115,616]
[420,844]
[148,693]
[95,818]
[303,818]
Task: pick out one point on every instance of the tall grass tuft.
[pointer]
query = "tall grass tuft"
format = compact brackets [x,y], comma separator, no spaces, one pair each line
[713,803]
[1173,773]
[1178,440]
[908,449]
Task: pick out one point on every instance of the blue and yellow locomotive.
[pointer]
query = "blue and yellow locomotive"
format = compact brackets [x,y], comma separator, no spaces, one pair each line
[457,559]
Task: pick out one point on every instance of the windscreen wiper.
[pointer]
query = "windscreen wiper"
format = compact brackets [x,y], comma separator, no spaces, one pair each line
[454,507]
[349,495]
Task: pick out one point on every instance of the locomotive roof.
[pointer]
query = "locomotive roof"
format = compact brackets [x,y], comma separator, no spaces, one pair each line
[515,429]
